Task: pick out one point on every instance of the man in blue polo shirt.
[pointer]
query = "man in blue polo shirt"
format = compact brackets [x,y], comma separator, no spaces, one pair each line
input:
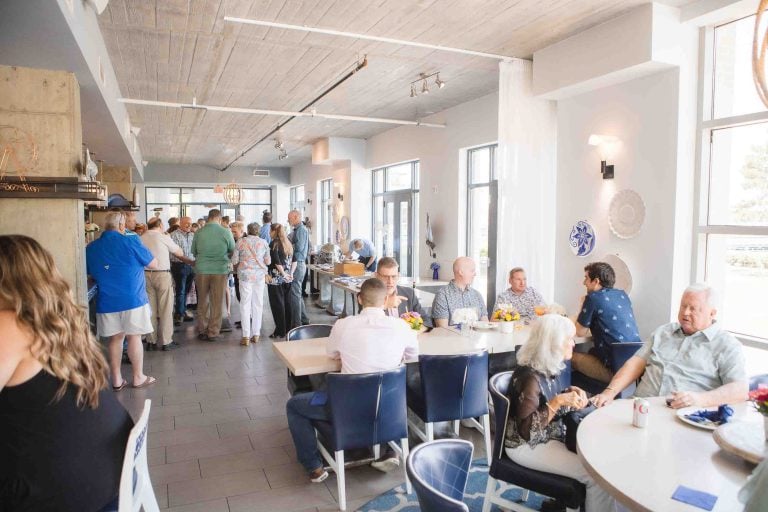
[366,252]
[117,264]
[607,313]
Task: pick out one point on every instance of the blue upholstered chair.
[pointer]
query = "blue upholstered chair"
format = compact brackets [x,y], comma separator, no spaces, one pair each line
[757,380]
[438,471]
[566,490]
[620,353]
[451,388]
[366,410]
[302,383]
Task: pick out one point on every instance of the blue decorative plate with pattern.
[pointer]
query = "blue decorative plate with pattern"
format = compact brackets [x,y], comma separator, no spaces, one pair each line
[582,239]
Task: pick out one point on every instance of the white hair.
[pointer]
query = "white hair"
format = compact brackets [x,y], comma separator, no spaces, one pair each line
[713,300]
[544,349]
[112,221]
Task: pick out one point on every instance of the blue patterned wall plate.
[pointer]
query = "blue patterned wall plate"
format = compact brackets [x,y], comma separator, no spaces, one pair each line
[582,239]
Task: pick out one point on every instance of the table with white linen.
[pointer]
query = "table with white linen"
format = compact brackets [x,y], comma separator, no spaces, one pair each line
[307,357]
[642,467]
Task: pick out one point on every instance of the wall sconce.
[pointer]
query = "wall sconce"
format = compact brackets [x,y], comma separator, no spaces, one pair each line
[340,196]
[309,198]
[607,145]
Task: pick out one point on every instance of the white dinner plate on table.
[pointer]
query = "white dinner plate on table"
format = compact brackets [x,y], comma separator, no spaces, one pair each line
[484,326]
[706,425]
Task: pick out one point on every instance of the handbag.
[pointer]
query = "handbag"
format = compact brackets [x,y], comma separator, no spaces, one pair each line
[571,421]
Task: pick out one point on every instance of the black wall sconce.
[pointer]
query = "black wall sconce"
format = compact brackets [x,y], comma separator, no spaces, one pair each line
[607,145]
[340,196]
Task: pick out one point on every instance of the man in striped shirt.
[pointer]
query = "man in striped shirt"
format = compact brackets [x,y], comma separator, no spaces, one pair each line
[182,273]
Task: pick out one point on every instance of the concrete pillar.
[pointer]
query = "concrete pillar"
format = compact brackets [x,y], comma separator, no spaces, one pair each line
[46,105]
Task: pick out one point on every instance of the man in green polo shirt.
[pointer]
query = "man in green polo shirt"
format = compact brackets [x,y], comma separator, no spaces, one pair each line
[212,247]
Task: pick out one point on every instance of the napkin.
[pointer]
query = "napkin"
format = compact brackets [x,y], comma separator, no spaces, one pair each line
[721,415]
[693,497]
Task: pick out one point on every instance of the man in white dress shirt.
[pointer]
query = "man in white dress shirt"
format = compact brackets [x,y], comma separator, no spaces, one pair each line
[368,342]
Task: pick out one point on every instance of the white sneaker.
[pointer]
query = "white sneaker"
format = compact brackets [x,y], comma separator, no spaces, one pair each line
[386,465]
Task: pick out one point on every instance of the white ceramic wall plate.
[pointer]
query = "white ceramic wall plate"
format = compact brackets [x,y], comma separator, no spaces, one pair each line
[626,213]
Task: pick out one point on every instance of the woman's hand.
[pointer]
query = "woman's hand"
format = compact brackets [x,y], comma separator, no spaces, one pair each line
[581,392]
[572,399]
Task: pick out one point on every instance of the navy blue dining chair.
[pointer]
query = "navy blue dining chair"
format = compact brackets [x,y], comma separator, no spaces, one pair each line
[367,410]
[438,471]
[620,353]
[501,468]
[451,388]
[303,383]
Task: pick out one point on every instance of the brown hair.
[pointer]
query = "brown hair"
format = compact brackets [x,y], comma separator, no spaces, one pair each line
[277,233]
[515,271]
[32,287]
[388,262]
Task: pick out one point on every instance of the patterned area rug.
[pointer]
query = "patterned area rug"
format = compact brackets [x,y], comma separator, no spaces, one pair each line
[395,500]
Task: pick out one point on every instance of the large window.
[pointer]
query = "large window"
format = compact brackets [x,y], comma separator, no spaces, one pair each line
[732,227]
[395,213]
[196,202]
[481,165]
[298,199]
[326,213]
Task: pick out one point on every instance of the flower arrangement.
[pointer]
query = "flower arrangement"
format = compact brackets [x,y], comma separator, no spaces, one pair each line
[505,315]
[413,319]
[435,267]
[759,398]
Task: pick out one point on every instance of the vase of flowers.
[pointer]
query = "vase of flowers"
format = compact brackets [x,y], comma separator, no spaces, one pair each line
[759,398]
[413,319]
[435,266]
[507,318]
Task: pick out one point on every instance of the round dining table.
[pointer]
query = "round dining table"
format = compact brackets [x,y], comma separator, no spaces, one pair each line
[642,467]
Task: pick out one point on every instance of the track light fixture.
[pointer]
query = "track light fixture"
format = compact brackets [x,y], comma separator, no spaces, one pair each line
[423,77]
[279,144]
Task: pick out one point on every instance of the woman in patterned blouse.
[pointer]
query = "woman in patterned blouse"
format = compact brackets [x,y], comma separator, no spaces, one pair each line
[535,433]
[251,259]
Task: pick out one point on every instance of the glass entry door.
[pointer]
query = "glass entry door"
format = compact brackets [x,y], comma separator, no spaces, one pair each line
[397,229]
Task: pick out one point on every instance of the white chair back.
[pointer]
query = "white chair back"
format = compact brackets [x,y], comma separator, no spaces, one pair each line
[135,486]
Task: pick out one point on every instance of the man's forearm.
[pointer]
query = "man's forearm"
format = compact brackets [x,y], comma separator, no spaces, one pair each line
[627,374]
[732,392]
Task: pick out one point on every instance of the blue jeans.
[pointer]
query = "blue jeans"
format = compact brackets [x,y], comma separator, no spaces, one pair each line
[300,415]
[183,275]
[298,309]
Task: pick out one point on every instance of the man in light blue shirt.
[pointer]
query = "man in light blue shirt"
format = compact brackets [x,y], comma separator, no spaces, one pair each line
[266,226]
[693,362]
[300,240]
[366,252]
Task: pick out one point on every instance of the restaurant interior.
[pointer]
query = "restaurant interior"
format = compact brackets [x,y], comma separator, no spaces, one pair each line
[539,135]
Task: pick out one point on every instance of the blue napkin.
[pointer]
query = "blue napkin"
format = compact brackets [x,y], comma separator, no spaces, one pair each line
[693,497]
[721,415]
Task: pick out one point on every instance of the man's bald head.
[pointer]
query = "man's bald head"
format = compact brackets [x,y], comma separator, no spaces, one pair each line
[463,270]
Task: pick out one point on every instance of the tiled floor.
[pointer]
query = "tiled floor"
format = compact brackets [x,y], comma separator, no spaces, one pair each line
[219,437]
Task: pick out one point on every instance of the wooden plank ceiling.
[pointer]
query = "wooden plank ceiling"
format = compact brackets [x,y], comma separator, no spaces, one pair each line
[174,50]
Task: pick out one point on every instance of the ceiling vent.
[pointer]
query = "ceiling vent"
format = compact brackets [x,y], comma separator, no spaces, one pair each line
[261,173]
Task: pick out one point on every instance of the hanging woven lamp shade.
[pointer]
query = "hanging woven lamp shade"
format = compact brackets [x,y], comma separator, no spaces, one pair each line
[233,194]
[759,54]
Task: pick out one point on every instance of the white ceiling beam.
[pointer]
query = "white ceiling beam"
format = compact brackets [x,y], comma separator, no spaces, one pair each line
[367,37]
[282,113]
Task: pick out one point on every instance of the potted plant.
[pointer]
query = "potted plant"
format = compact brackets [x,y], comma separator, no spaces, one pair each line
[759,398]
[507,318]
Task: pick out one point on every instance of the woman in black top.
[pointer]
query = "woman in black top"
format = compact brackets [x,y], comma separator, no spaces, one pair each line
[535,433]
[62,434]
[279,289]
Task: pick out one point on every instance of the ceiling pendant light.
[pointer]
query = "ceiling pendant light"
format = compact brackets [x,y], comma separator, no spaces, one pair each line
[424,88]
[233,194]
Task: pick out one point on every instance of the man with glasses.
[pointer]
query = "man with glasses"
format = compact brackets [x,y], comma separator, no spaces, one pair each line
[399,299]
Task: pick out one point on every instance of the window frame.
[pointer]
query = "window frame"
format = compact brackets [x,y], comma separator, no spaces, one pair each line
[494,146]
[219,204]
[324,204]
[707,125]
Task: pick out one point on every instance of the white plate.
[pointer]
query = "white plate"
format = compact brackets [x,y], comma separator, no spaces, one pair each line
[682,413]
[484,325]
[626,213]
[623,275]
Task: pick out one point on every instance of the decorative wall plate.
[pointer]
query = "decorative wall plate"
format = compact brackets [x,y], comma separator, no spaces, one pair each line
[626,213]
[582,239]
[623,275]
[344,227]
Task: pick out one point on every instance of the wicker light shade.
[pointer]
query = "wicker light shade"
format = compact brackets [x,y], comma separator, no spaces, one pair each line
[233,194]
[759,50]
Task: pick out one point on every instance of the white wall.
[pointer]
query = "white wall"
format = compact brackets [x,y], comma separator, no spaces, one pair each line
[441,157]
[643,113]
[310,175]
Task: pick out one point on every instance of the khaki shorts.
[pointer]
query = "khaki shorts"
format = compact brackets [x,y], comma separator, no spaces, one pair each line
[132,321]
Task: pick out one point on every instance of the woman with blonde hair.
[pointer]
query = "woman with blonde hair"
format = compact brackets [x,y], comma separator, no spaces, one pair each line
[279,289]
[62,433]
[535,435]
